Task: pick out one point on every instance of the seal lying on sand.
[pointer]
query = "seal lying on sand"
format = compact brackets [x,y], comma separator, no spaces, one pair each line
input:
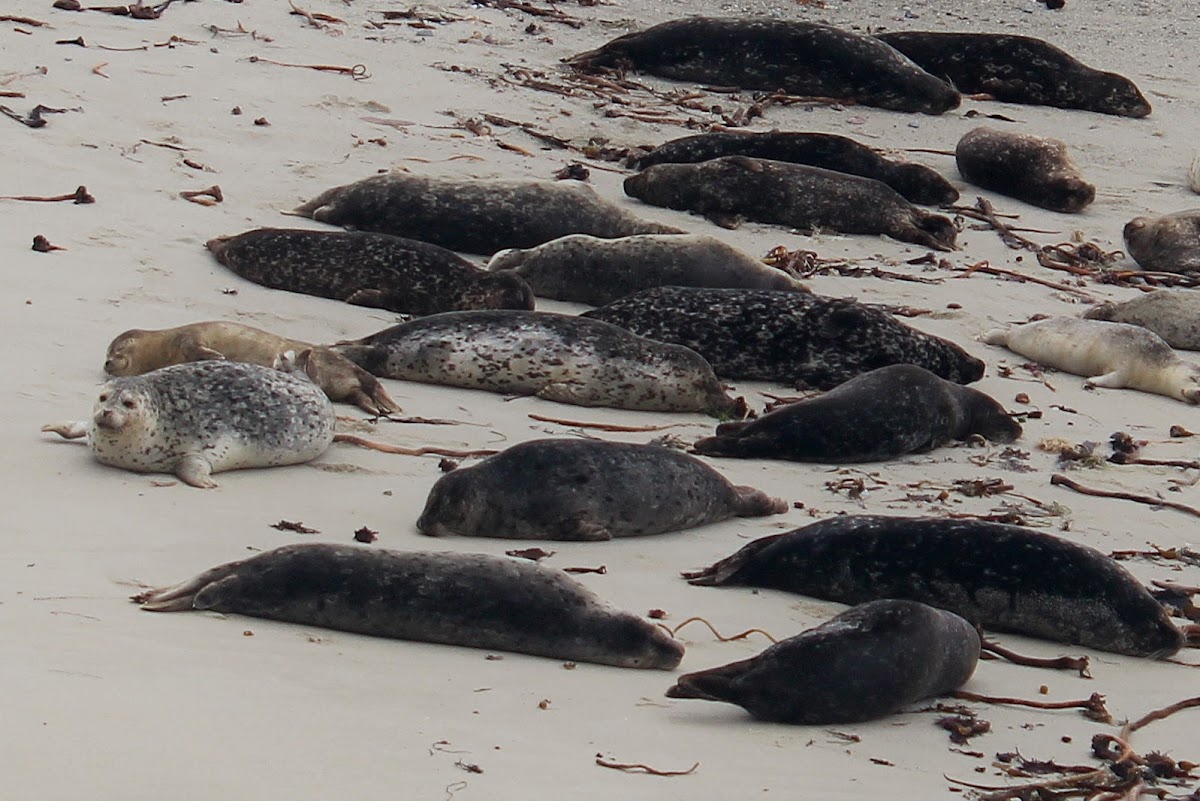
[1173,314]
[798,196]
[1170,243]
[806,340]
[474,216]
[1113,355]
[868,662]
[888,412]
[801,58]
[376,270]
[585,269]
[469,599]
[1019,69]
[1000,577]
[139,351]
[557,357]
[916,182]
[201,418]
[578,489]
[1034,169]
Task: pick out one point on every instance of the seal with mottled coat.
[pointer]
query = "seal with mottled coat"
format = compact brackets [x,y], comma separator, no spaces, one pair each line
[579,489]
[1173,314]
[1169,243]
[868,662]
[998,576]
[467,599]
[1035,169]
[731,188]
[809,341]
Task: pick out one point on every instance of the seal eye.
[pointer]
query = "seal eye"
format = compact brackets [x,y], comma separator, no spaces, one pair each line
[103,397]
[129,403]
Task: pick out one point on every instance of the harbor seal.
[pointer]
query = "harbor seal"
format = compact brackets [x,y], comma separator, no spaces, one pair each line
[809,341]
[556,357]
[384,272]
[475,216]
[579,489]
[585,269]
[880,415]
[730,188]
[868,662]
[1169,243]
[1112,355]
[201,418]
[139,351]
[1034,169]
[1019,69]
[916,182]
[468,599]
[1173,314]
[800,58]
[998,576]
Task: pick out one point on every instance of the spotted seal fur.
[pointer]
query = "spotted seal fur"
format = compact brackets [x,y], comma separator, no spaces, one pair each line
[1035,169]
[1173,314]
[1169,243]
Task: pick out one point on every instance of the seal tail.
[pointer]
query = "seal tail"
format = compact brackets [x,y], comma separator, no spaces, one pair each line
[935,231]
[753,502]
[181,597]
[727,571]
[217,246]
[313,207]
[716,684]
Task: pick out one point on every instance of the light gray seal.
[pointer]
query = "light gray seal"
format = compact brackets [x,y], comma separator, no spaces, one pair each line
[1035,169]
[578,489]
[1169,243]
[585,269]
[468,599]
[1173,314]
[868,662]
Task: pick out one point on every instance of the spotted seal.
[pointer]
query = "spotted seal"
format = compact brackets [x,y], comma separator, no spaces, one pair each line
[585,269]
[809,341]
[999,576]
[1173,314]
[866,663]
[474,216]
[201,418]
[556,357]
[880,415]
[1034,169]
[1112,355]
[1169,243]
[801,58]
[1019,69]
[573,489]
[916,182]
[730,188]
[469,599]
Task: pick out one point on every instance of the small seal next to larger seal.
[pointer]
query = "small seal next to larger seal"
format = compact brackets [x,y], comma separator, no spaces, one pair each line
[1034,169]
[1169,243]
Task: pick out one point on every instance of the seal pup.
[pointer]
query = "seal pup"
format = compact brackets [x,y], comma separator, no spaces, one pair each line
[809,341]
[880,415]
[139,351]
[578,489]
[998,576]
[1019,69]
[730,188]
[585,269]
[468,599]
[556,357]
[1169,243]
[916,182]
[201,418]
[1173,314]
[384,272]
[1112,355]
[476,215]
[1034,169]
[868,662]
[801,58]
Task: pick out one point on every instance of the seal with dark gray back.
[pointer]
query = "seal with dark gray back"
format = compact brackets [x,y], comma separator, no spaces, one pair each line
[998,576]
[474,215]
[578,489]
[795,338]
[732,188]
[868,662]
[1035,169]
[468,599]
[1173,314]
[1169,243]
[883,414]
[1019,69]
[916,182]
[376,270]
[800,58]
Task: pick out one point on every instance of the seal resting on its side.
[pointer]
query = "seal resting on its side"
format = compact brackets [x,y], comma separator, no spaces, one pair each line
[1169,243]
[572,489]
[1034,169]
[868,662]
[469,599]
[1173,314]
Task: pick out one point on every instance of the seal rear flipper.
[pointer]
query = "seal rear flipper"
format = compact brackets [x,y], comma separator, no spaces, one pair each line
[726,571]
[180,597]
[321,206]
[715,684]
[719,445]
[935,231]
[753,502]
[369,357]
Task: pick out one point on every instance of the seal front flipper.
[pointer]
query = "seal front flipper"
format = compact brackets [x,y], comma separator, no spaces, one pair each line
[729,569]
[70,429]
[563,392]
[1113,380]
[371,298]
[730,222]
[194,470]
[579,530]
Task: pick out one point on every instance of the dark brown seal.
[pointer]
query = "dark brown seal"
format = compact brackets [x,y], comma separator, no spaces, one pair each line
[1034,169]
[796,195]
[1169,243]
[801,58]
[868,662]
